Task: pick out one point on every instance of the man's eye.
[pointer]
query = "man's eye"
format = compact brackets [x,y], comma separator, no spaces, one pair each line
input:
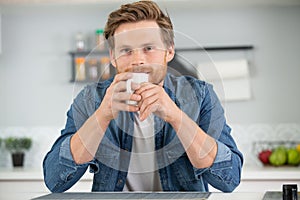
[149,48]
[125,51]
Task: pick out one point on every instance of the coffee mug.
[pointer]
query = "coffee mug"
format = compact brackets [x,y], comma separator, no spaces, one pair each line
[136,78]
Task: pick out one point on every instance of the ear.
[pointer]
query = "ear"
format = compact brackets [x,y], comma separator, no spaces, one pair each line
[170,53]
[112,58]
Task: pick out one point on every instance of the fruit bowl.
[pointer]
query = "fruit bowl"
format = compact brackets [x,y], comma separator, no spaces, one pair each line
[278,153]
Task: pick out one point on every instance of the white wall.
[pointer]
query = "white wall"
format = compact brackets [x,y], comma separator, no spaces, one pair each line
[35,65]
[274,63]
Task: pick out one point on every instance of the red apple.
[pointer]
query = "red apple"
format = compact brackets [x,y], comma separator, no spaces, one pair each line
[264,156]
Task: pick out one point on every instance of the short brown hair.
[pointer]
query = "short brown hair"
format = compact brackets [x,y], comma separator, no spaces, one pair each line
[139,11]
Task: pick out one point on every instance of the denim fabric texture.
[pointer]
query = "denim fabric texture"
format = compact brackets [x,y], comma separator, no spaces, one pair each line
[195,97]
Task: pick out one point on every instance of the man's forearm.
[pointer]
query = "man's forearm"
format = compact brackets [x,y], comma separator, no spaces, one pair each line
[84,143]
[199,146]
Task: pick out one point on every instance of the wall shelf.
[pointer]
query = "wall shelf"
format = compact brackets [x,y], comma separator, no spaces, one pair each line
[96,54]
[216,48]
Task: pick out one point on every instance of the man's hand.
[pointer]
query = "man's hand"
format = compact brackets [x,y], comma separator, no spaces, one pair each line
[156,100]
[116,97]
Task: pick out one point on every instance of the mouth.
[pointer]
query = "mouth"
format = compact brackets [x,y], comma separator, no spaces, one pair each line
[142,69]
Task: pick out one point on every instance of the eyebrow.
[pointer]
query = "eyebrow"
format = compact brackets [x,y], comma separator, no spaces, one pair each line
[129,46]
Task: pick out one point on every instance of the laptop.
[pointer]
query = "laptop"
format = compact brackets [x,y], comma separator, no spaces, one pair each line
[127,195]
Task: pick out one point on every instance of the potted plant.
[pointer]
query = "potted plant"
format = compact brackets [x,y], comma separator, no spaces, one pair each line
[17,147]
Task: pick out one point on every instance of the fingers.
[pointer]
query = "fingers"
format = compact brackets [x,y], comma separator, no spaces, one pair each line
[144,87]
[124,96]
[116,97]
[125,107]
[135,86]
[122,77]
[120,96]
[151,108]
[151,98]
[148,99]
[119,82]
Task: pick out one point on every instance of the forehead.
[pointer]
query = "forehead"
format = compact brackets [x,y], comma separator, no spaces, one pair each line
[137,33]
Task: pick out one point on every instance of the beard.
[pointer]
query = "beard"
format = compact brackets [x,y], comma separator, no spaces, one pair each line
[156,71]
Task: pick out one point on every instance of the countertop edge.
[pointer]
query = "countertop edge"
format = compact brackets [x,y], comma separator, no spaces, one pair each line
[248,173]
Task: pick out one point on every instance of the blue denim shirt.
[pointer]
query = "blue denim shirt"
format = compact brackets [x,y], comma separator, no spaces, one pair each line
[195,97]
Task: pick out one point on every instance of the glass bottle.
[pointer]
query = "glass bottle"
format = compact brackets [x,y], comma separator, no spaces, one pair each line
[93,69]
[80,69]
[80,44]
[100,41]
[105,68]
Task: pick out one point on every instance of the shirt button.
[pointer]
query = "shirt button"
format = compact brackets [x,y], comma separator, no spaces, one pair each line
[120,181]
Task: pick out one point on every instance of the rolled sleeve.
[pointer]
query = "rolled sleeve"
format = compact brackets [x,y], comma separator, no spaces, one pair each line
[223,153]
[60,170]
[225,173]
[66,158]
[222,160]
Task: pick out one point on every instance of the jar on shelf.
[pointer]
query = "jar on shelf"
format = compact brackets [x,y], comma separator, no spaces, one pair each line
[80,69]
[105,68]
[93,69]
[100,41]
[80,43]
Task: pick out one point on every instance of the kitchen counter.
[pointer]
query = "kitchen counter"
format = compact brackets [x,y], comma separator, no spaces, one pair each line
[248,173]
[270,173]
[24,183]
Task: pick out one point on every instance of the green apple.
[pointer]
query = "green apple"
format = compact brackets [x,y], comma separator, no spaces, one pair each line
[278,156]
[293,157]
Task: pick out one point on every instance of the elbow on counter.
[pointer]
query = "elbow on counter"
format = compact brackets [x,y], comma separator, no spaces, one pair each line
[55,182]
[233,178]
[228,177]
[229,184]
[60,177]
[230,187]
[50,178]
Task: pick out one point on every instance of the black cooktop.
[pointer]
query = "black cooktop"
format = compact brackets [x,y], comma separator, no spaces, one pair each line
[270,195]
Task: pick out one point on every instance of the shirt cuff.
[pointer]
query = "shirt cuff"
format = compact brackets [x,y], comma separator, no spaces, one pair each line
[66,158]
[222,160]
[223,153]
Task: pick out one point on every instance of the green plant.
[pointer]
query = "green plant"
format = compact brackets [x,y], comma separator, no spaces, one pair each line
[17,144]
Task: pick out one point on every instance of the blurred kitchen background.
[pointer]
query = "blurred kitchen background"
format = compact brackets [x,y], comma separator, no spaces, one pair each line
[35,64]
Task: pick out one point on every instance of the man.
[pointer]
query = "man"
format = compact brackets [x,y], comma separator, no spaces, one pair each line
[175,138]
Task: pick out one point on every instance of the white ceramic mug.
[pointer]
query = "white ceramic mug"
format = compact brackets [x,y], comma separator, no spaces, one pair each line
[136,78]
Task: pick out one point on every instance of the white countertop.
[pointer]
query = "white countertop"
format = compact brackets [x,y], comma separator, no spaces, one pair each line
[270,173]
[236,196]
[248,173]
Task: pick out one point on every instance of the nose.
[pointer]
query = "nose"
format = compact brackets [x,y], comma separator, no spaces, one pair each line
[138,57]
